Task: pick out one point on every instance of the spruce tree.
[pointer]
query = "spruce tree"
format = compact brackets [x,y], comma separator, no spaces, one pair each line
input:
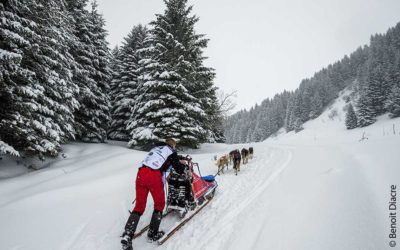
[316,106]
[167,105]
[374,91]
[92,72]
[298,125]
[351,118]
[43,93]
[115,65]
[393,103]
[17,91]
[126,83]
[365,111]
[289,116]
[7,149]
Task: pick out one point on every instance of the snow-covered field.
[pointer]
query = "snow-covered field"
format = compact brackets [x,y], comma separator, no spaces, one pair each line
[321,188]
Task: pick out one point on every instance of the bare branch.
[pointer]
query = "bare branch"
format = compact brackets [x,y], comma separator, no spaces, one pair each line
[226,102]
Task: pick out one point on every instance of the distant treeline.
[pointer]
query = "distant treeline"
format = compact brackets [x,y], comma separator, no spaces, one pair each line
[373,71]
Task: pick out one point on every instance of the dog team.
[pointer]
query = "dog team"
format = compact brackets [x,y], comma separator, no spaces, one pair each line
[234,157]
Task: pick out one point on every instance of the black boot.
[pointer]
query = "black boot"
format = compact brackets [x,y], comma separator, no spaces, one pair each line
[191,204]
[153,233]
[130,229]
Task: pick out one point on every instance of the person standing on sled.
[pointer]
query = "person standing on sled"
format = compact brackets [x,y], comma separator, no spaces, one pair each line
[150,179]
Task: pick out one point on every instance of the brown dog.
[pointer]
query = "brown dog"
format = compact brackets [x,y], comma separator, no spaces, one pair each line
[222,162]
[245,155]
[231,154]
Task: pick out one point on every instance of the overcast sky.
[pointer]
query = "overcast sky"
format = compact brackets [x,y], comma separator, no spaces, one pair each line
[261,47]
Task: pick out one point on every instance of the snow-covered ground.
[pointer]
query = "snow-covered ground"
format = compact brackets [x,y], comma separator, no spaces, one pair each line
[321,188]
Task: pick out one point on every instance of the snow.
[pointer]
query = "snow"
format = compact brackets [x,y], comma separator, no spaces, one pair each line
[322,188]
[7,149]
[6,55]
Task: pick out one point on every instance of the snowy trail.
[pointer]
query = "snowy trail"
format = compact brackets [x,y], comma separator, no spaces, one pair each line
[323,201]
[235,196]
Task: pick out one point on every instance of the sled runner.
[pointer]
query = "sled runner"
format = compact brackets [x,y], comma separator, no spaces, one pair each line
[181,223]
[202,189]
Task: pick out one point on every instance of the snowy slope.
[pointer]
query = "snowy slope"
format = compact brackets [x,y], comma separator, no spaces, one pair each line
[321,188]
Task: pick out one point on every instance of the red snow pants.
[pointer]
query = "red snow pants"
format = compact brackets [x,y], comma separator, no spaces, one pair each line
[149,180]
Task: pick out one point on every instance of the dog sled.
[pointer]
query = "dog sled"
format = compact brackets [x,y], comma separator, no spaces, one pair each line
[202,189]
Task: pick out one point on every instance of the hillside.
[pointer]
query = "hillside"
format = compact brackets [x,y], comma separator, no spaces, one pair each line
[372,72]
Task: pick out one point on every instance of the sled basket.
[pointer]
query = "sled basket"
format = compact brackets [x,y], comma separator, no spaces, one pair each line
[202,187]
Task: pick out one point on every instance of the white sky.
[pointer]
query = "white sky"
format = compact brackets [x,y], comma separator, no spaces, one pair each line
[261,47]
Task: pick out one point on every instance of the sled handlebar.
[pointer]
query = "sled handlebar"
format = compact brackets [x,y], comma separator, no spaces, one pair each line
[198,168]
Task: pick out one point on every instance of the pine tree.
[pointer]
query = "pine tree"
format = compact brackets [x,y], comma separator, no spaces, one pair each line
[115,67]
[374,91]
[42,116]
[316,106]
[167,105]
[298,125]
[393,103]
[54,71]
[17,90]
[126,83]
[7,149]
[289,116]
[365,113]
[92,74]
[351,118]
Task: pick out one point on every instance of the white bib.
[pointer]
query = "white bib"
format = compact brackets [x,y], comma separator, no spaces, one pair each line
[156,157]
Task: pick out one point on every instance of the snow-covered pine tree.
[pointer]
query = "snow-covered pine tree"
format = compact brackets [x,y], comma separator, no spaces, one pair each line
[305,94]
[372,97]
[115,65]
[365,112]
[206,93]
[351,118]
[92,72]
[7,149]
[258,135]
[166,107]
[294,112]
[316,106]
[265,128]
[53,71]
[126,83]
[393,103]
[298,125]
[289,116]
[102,66]
[376,85]
[199,78]
[16,85]
[42,116]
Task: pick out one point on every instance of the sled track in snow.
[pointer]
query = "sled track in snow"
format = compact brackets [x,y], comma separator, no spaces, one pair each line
[235,195]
